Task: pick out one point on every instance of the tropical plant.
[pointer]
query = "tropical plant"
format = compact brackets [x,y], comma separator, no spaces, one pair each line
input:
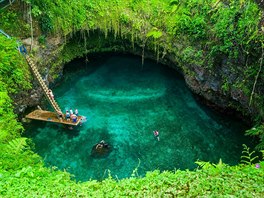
[247,156]
[259,132]
[194,32]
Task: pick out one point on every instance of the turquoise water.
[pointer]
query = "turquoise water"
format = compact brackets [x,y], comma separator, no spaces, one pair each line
[124,103]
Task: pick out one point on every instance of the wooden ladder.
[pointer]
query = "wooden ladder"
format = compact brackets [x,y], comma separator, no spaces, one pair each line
[44,87]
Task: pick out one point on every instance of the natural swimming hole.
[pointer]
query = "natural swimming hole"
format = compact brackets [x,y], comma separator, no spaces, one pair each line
[124,102]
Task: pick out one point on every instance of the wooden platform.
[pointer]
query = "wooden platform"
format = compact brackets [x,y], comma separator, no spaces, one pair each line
[49,116]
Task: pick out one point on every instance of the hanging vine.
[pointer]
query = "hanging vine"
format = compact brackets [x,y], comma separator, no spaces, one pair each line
[257,76]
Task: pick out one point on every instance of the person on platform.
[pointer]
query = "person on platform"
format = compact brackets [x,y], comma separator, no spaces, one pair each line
[76,112]
[74,118]
[71,112]
[60,116]
[68,116]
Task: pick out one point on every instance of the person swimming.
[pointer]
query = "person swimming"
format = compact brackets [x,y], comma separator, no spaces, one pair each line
[156,134]
[83,119]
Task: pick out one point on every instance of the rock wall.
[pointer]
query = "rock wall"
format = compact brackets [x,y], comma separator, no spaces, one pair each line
[43,56]
[208,84]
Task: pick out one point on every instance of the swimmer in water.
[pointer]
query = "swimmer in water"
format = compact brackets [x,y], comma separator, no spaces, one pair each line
[156,134]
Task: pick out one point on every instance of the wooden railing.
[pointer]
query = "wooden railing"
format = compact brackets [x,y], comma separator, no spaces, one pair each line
[43,85]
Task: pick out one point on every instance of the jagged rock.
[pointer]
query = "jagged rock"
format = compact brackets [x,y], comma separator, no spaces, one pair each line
[22,108]
[25,120]
[27,41]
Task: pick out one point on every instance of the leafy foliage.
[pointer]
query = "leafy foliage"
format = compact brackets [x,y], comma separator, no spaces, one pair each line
[237,181]
[208,165]
[247,156]
[257,131]
[14,76]
[154,33]
[11,21]
[17,145]
[195,32]
[13,69]
[9,126]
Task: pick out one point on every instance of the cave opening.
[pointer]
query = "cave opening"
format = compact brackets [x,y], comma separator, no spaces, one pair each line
[124,102]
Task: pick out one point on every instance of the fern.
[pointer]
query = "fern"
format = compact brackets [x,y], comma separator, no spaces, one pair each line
[260,146]
[204,165]
[262,151]
[257,131]
[247,156]
[17,145]
[208,165]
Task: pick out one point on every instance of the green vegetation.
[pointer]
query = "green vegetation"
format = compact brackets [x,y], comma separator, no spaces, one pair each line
[14,73]
[210,35]
[14,76]
[197,33]
[257,131]
[212,180]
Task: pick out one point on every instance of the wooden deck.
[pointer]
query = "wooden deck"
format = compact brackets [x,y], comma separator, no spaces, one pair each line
[49,116]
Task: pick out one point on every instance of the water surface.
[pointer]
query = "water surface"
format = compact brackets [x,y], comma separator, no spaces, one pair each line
[124,103]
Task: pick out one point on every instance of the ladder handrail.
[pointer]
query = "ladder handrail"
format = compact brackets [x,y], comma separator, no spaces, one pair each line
[43,85]
[5,34]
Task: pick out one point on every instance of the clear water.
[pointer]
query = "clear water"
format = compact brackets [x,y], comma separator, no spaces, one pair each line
[124,103]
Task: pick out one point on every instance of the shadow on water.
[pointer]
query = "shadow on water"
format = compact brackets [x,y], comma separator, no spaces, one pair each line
[229,118]
[72,132]
[124,103]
